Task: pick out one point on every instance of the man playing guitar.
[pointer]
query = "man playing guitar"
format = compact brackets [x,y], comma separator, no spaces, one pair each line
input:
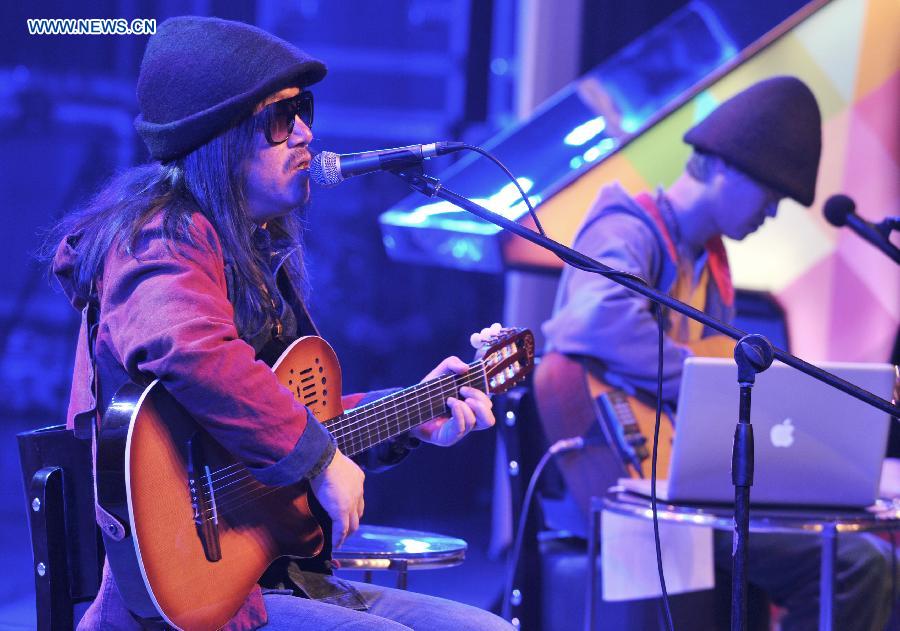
[187,269]
[758,147]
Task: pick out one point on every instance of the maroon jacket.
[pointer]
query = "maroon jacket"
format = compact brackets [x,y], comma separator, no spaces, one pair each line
[165,313]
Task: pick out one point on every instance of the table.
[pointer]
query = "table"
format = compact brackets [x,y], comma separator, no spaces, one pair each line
[827,523]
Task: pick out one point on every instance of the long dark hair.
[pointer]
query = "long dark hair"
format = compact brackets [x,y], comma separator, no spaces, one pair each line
[209,180]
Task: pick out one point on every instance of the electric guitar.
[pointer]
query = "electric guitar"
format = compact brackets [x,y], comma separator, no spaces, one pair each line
[572,400]
[199,530]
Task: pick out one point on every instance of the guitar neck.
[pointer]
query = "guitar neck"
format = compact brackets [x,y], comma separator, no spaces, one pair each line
[373,423]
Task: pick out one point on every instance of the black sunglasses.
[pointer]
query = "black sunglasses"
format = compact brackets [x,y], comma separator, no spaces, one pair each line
[278,117]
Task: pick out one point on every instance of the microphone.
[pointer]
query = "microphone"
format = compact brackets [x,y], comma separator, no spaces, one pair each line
[840,211]
[330,169]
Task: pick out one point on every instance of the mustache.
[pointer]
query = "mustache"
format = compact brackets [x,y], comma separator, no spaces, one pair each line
[303,155]
[296,160]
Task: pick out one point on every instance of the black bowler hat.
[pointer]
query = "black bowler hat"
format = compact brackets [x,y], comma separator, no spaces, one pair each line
[772,131]
[201,75]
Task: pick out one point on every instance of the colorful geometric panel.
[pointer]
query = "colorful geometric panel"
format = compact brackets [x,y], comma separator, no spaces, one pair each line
[815,287]
[762,261]
[861,327]
[851,322]
[832,39]
[880,45]
[842,296]
[878,110]
[662,162]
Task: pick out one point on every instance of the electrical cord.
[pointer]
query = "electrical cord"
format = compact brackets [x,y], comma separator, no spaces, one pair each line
[570,444]
[537,222]
[562,445]
[653,509]
[490,156]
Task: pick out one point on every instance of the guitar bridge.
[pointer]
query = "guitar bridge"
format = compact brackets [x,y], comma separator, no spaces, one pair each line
[203,499]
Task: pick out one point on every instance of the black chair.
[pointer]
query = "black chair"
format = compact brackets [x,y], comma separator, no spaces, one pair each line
[65,540]
[550,585]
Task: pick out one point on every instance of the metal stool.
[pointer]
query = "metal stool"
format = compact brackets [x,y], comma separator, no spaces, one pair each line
[383,548]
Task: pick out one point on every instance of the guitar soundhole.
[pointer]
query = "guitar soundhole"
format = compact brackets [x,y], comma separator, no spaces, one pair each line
[307,388]
[307,380]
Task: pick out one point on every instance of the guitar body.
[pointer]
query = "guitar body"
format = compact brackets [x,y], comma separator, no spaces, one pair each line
[161,566]
[199,530]
[572,400]
[567,394]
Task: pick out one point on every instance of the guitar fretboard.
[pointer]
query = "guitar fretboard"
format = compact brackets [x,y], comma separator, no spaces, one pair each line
[373,423]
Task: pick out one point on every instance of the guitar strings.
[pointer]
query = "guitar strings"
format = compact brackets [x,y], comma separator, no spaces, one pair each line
[360,430]
[246,491]
[369,410]
[364,414]
[360,417]
[247,498]
[247,484]
[232,469]
[237,474]
[225,492]
[357,436]
[361,414]
[360,420]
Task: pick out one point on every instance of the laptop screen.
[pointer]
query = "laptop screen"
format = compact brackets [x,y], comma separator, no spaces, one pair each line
[814,445]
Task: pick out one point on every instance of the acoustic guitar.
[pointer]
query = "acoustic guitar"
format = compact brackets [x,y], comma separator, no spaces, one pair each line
[573,400]
[199,529]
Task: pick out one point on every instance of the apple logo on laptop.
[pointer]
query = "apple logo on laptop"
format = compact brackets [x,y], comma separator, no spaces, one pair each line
[782,434]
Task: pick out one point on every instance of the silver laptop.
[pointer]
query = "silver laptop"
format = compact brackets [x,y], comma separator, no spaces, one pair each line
[814,445]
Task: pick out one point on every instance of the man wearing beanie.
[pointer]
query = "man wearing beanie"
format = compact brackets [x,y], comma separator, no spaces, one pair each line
[755,149]
[187,270]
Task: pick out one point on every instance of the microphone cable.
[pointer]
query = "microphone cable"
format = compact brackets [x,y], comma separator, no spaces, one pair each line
[667,610]
[537,222]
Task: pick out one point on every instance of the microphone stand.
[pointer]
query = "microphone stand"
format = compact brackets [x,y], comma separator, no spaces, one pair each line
[753,354]
[884,228]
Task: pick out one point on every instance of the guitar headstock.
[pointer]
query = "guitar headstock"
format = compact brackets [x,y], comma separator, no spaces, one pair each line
[508,357]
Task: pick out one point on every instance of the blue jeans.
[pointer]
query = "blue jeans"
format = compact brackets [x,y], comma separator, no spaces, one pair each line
[388,610]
